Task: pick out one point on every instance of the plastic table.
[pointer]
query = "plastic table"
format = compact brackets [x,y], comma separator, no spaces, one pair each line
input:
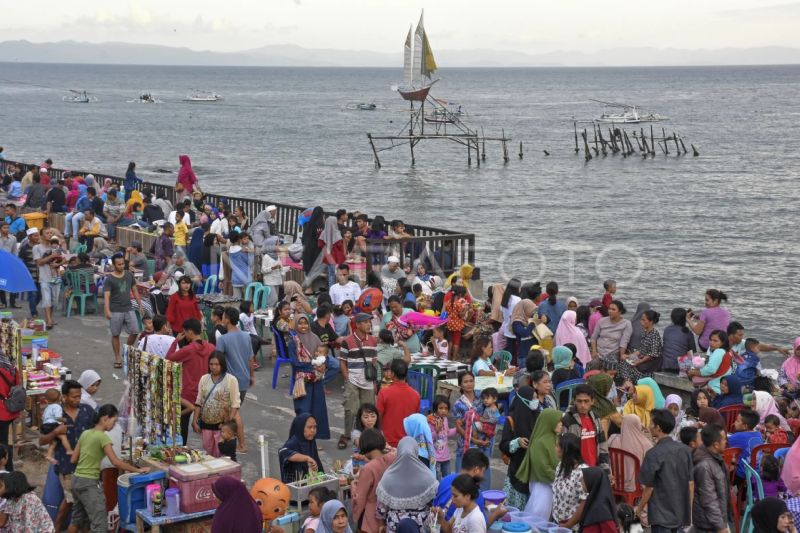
[143,517]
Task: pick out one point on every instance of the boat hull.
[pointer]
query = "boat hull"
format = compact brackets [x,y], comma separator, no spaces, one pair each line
[415,95]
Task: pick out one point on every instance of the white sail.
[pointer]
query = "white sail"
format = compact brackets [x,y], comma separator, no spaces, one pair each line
[407,74]
[416,65]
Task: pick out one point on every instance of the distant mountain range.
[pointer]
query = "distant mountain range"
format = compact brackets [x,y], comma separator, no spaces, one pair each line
[117,53]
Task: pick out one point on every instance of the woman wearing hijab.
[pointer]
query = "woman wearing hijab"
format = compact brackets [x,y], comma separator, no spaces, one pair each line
[637,332]
[134,197]
[302,350]
[333,518]
[9,376]
[538,468]
[299,454]
[599,509]
[237,511]
[632,440]
[416,426]
[293,293]
[640,403]
[675,405]
[514,445]
[312,230]
[333,252]
[563,366]
[771,515]
[789,373]
[406,489]
[791,468]
[709,415]
[72,196]
[522,325]
[90,382]
[764,405]
[568,333]
[186,177]
[658,396]
[730,389]
[602,407]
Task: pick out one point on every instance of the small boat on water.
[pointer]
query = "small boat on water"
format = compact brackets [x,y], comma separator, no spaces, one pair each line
[203,96]
[446,113]
[145,98]
[80,97]
[617,113]
[362,106]
[418,65]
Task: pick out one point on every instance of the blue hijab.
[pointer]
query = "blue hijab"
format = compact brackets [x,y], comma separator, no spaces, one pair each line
[416,426]
[734,396]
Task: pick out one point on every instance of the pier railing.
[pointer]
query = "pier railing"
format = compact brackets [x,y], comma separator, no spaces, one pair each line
[445,249]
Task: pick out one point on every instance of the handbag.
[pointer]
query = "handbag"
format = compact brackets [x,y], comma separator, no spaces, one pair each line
[299,389]
[207,397]
[15,398]
[542,332]
[370,372]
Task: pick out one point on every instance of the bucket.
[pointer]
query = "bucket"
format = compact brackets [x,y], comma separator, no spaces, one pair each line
[131,493]
[35,220]
[517,527]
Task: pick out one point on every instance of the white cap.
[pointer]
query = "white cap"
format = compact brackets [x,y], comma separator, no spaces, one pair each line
[31,231]
[271,208]
[393,259]
[43,169]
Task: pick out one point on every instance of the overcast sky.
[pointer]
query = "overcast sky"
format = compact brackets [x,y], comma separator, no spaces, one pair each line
[532,26]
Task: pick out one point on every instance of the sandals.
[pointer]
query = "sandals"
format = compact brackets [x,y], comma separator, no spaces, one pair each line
[117,365]
[343,441]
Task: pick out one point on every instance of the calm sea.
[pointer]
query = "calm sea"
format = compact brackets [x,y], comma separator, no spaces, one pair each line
[665,228]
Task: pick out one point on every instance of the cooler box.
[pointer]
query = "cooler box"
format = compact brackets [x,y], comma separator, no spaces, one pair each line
[35,220]
[131,494]
[195,480]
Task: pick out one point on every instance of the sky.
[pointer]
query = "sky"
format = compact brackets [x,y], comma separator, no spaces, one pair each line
[531,26]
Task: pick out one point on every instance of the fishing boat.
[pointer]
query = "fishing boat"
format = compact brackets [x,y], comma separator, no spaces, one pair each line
[418,65]
[362,106]
[446,112]
[145,98]
[203,96]
[80,97]
[618,113]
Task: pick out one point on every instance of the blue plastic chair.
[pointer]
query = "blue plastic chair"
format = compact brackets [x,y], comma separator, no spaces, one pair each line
[281,358]
[250,289]
[424,385]
[568,388]
[750,475]
[211,284]
[260,297]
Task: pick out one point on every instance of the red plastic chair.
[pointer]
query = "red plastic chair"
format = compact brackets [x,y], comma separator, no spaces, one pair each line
[768,449]
[731,457]
[729,413]
[618,459]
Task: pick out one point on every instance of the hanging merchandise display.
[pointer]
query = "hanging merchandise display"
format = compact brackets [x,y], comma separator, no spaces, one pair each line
[155,391]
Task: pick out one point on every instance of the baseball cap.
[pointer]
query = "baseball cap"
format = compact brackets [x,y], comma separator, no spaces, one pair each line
[393,259]
[363,317]
[272,208]
[31,231]
[43,169]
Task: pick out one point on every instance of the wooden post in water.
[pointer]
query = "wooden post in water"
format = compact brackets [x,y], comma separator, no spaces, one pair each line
[586,155]
[374,151]
[683,146]
[505,147]
[469,153]
[613,139]
[520,149]
[695,153]
[483,143]
[602,141]
[411,145]
[575,127]
[675,138]
[594,129]
[664,138]
[652,142]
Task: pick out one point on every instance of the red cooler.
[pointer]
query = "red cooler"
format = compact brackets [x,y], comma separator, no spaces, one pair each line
[195,480]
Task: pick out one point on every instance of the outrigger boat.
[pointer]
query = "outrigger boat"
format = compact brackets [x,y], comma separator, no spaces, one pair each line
[203,96]
[146,98]
[630,114]
[418,65]
[362,106]
[80,97]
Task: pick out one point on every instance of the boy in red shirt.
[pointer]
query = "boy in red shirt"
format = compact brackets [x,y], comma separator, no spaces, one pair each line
[396,402]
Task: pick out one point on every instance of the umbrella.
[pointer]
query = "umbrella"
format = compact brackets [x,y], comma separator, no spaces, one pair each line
[305,216]
[14,275]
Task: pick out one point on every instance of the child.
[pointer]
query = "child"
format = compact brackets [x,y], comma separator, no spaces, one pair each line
[248,324]
[181,232]
[610,287]
[341,318]
[440,432]
[773,431]
[316,499]
[53,416]
[227,444]
[597,510]
[439,342]
[147,328]
[320,356]
[771,477]
[488,414]
[468,517]
[749,366]
[690,436]
[457,309]
[366,418]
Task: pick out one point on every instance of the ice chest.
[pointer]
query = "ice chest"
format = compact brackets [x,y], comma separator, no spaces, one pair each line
[195,480]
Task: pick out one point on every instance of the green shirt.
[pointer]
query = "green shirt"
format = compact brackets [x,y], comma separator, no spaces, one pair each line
[92,443]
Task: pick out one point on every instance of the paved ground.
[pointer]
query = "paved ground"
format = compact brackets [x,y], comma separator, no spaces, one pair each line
[85,343]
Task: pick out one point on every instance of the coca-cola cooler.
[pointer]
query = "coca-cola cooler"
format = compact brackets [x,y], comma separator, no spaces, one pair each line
[195,480]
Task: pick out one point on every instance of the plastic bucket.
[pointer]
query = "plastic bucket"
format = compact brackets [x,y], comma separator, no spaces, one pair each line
[35,220]
[517,527]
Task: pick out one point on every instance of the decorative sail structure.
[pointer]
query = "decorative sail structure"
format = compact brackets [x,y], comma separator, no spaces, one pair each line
[419,64]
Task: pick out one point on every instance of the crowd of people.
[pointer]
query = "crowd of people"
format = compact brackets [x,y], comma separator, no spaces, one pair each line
[557,447]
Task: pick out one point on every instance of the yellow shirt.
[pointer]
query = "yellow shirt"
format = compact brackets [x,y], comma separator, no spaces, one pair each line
[181,231]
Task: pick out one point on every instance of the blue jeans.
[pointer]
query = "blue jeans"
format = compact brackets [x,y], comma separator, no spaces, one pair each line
[444,468]
[333,369]
[331,275]
[34,297]
[72,224]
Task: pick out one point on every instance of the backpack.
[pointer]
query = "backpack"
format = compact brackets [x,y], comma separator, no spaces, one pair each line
[16,397]
[748,370]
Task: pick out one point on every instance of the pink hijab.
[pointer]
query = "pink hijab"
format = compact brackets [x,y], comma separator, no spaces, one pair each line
[792,365]
[568,332]
[186,175]
[791,469]
[633,440]
[765,406]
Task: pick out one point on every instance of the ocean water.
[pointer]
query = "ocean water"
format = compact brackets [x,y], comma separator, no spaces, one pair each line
[666,228]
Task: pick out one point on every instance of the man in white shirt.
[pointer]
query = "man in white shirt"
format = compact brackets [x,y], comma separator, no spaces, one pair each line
[181,211]
[157,343]
[345,289]
[272,275]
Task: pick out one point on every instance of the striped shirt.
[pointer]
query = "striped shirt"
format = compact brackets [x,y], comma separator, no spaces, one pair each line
[353,352]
